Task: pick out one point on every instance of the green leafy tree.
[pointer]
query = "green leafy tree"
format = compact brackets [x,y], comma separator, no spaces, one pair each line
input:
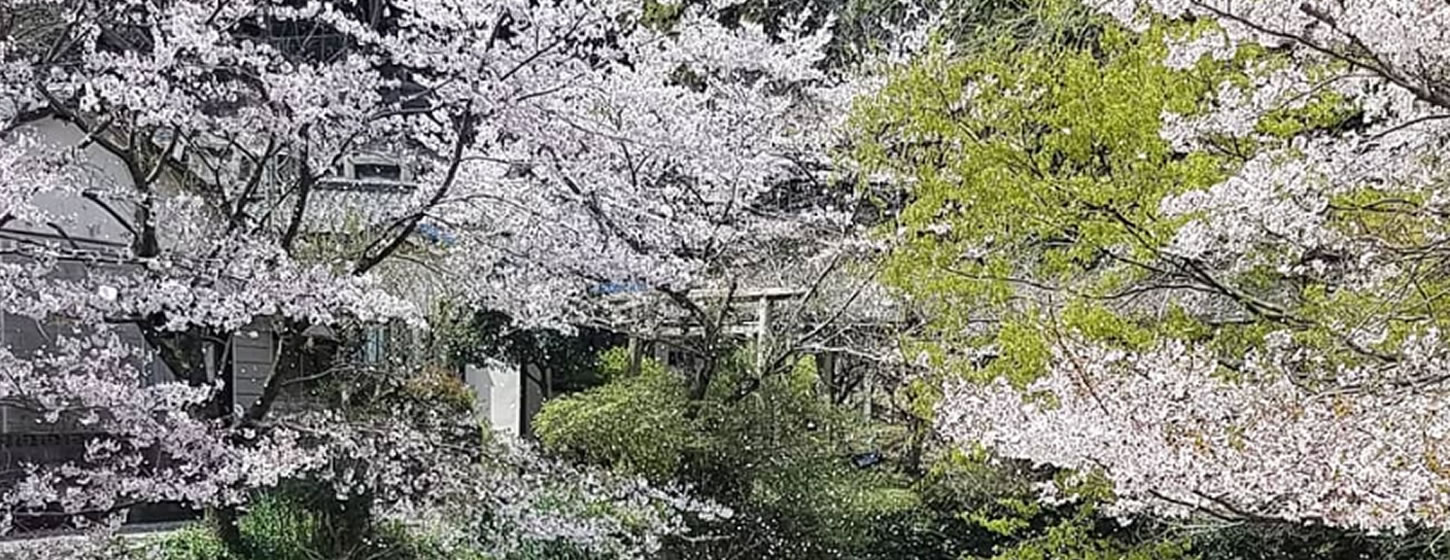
[1035,172]
[1035,176]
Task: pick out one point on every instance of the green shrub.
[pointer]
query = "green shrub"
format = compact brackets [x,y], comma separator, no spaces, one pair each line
[280,526]
[395,541]
[194,542]
[780,456]
[635,424]
[302,522]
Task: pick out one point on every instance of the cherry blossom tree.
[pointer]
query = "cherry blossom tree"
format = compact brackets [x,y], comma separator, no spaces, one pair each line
[1200,257]
[558,145]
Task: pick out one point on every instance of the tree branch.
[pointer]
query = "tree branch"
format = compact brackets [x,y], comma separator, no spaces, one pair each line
[467,130]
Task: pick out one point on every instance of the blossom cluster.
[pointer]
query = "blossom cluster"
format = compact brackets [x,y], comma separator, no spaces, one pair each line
[1321,232]
[465,490]
[1178,436]
[169,172]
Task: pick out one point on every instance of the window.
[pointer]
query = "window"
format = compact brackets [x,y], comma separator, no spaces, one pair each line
[368,173]
[377,172]
[374,344]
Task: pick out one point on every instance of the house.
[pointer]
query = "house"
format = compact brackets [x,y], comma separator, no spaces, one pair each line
[366,183]
[84,224]
[88,223]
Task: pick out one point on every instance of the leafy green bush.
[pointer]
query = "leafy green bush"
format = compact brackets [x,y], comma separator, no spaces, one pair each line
[194,542]
[635,424]
[280,526]
[780,456]
[790,451]
[296,522]
[394,540]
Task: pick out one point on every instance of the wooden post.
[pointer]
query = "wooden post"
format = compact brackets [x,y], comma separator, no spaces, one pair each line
[5,410]
[660,352]
[208,355]
[866,383]
[762,334]
[636,354]
[826,371]
[523,400]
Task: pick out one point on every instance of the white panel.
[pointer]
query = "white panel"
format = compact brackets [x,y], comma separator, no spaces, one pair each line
[505,400]
[477,379]
[496,384]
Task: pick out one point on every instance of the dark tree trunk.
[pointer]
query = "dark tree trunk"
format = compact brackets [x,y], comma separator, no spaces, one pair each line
[227,522]
[349,527]
[185,353]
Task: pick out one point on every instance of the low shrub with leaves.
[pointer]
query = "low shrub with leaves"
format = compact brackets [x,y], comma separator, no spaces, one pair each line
[781,457]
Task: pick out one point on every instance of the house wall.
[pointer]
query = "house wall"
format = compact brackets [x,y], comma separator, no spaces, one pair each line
[253,359]
[24,337]
[84,220]
[99,170]
[92,227]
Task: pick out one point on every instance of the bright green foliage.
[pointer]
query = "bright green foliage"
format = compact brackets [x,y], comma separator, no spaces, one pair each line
[195,542]
[1008,525]
[1024,349]
[633,424]
[1098,322]
[1076,539]
[1035,173]
[661,15]
[1026,165]
[780,456]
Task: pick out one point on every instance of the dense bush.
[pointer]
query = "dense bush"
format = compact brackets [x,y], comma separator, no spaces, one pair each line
[300,522]
[792,465]
[195,542]
[782,458]
[634,424]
